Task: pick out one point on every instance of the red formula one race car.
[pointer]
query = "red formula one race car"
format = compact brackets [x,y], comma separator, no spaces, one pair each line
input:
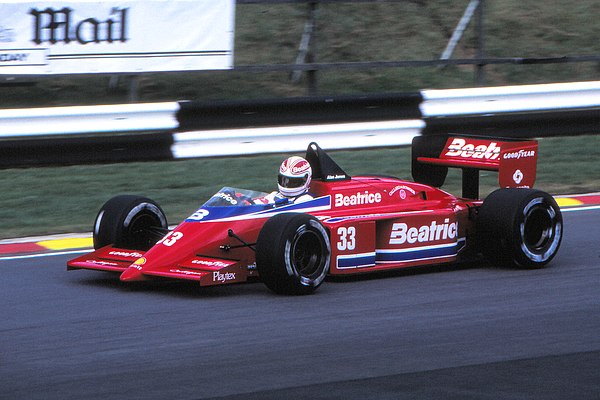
[352,225]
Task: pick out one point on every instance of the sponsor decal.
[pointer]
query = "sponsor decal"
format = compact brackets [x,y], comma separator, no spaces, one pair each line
[297,170]
[211,263]
[80,37]
[219,277]
[295,165]
[519,154]
[7,35]
[227,197]
[402,189]
[461,148]
[18,57]
[402,233]
[105,263]
[133,254]
[179,271]
[54,26]
[140,261]
[357,199]
[518,176]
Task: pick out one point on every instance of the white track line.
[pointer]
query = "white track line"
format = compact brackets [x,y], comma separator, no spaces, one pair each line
[59,253]
[576,208]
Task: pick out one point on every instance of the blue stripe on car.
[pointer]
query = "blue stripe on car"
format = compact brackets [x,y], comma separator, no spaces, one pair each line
[419,253]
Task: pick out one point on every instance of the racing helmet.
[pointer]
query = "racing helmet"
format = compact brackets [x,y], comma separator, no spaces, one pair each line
[294,176]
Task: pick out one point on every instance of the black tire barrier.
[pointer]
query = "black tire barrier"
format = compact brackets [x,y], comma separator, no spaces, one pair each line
[298,111]
[519,125]
[85,150]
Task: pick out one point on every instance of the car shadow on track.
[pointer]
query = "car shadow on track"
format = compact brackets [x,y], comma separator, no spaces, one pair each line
[189,289]
[412,271]
[168,287]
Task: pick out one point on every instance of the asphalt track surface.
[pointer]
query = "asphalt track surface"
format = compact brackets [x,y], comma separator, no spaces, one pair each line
[471,332]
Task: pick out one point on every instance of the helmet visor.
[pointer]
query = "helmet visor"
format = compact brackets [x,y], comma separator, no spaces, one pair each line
[287,182]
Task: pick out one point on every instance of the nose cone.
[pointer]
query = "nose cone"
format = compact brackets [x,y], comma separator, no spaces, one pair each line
[134,272]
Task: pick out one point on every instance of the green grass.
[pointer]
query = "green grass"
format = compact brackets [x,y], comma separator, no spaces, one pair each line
[66,199]
[381,31]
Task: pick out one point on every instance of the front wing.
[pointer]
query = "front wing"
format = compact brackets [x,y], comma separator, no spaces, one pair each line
[207,271]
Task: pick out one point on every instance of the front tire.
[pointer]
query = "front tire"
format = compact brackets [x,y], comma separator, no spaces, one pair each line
[293,253]
[129,222]
[520,227]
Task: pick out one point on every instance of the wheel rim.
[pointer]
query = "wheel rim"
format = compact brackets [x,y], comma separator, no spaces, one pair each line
[144,230]
[540,230]
[307,252]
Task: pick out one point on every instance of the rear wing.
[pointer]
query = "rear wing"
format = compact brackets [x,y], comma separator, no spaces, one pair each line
[515,160]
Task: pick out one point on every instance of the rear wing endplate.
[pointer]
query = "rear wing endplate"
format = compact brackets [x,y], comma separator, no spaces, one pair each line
[515,160]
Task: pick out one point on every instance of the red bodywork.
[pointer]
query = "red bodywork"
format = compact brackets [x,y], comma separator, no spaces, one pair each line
[374,223]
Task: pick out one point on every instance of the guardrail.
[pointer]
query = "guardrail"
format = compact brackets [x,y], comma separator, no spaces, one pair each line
[63,121]
[295,138]
[510,99]
[558,109]
[72,135]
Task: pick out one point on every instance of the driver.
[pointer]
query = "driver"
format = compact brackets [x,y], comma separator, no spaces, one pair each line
[293,181]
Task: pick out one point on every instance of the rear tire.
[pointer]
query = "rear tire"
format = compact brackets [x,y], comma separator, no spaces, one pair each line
[520,227]
[293,253]
[129,222]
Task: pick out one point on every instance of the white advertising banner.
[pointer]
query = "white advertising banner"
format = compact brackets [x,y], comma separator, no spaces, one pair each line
[82,37]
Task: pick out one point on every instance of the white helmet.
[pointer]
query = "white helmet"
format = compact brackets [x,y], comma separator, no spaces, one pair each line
[294,176]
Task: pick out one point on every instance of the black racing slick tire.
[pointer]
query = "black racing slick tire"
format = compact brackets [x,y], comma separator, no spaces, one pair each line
[129,222]
[520,228]
[293,254]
